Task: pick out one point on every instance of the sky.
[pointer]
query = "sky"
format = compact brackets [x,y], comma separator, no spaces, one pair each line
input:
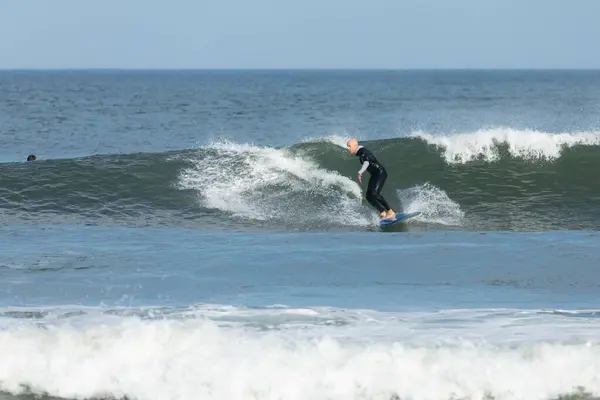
[390,34]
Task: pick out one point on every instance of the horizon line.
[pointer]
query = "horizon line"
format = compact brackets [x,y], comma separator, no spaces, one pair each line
[240,69]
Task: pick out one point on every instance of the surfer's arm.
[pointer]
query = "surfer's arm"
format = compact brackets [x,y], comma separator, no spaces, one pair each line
[364,168]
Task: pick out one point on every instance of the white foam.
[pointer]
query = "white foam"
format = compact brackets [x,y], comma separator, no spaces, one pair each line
[266,183]
[197,359]
[527,144]
[434,203]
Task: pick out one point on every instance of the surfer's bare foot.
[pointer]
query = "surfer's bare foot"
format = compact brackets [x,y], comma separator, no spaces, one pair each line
[382,215]
[391,214]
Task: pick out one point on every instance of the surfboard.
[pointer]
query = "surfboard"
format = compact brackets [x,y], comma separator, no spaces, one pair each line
[399,217]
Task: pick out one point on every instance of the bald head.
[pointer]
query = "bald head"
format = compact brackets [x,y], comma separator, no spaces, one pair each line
[352,146]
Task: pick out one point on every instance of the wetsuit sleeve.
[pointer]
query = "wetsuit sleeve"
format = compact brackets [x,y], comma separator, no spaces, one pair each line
[364,167]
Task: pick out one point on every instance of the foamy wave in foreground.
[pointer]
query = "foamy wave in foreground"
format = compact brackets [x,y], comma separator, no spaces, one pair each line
[182,358]
[527,144]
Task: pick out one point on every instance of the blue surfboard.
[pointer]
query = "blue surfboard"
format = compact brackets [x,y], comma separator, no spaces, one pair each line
[399,217]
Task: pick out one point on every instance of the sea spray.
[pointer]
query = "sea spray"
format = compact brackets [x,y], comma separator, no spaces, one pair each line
[434,204]
[265,183]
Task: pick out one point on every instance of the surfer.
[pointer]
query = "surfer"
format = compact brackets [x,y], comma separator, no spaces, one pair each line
[377,180]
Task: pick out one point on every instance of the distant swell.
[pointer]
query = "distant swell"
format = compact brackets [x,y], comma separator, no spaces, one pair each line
[493,179]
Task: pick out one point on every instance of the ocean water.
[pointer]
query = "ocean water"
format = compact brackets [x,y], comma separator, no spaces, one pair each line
[202,235]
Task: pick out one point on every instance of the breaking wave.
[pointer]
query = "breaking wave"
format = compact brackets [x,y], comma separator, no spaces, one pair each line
[464,181]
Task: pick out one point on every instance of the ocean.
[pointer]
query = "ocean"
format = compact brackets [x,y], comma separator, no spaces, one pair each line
[202,235]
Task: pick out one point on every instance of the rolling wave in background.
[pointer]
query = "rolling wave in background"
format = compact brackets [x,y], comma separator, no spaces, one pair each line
[475,180]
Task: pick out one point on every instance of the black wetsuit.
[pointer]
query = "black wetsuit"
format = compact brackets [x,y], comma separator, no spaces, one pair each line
[377,180]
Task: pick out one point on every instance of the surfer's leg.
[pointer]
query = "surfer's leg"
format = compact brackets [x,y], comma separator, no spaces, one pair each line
[378,185]
[373,196]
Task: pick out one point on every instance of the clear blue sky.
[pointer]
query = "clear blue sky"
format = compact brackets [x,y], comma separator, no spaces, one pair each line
[299,34]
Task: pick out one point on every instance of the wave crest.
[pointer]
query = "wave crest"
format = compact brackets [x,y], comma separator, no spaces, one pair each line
[488,144]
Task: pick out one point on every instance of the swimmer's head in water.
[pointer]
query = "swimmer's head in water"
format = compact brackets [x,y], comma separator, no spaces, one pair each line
[352,146]
[31,157]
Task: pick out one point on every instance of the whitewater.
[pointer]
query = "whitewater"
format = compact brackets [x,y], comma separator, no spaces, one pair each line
[486,144]
[297,355]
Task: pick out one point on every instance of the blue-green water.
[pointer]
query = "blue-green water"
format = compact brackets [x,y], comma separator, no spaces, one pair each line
[201,235]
